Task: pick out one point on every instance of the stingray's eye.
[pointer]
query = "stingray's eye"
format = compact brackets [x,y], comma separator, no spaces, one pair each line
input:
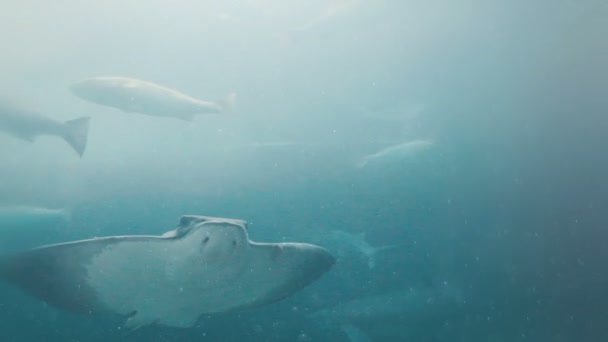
[205,240]
[234,243]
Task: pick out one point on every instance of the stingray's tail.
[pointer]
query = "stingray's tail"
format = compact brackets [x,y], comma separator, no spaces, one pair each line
[66,214]
[227,103]
[76,134]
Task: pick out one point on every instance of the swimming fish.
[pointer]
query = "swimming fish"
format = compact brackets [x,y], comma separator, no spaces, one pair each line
[23,226]
[22,215]
[138,96]
[395,152]
[358,242]
[404,307]
[27,125]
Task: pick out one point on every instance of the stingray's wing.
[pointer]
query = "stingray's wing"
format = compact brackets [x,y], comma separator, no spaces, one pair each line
[58,273]
[278,270]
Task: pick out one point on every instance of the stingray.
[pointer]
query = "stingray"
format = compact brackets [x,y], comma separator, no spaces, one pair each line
[206,265]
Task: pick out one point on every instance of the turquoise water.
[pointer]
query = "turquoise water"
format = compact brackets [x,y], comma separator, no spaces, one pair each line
[493,228]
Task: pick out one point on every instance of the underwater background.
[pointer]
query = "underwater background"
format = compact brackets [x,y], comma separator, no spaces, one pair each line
[493,232]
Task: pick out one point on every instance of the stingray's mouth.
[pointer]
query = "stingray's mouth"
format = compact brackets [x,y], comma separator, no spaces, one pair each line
[322,261]
[318,262]
[313,262]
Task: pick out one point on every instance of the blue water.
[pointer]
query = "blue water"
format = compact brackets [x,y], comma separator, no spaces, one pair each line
[506,208]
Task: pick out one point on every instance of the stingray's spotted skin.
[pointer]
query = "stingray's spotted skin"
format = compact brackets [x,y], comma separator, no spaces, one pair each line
[206,265]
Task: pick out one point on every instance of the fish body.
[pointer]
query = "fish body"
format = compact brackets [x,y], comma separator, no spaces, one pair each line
[395,152]
[139,96]
[19,216]
[27,125]
[403,308]
[359,242]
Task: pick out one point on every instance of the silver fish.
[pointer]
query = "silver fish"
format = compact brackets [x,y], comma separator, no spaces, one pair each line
[138,96]
[27,125]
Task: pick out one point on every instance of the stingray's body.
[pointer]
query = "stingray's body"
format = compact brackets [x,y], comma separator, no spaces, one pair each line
[206,265]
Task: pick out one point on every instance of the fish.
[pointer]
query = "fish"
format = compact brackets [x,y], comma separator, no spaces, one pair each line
[354,333]
[144,97]
[27,226]
[206,265]
[395,152]
[404,303]
[400,307]
[27,124]
[274,144]
[324,23]
[401,115]
[359,242]
[24,215]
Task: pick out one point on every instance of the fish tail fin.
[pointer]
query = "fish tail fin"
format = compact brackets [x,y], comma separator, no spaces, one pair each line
[371,262]
[227,103]
[76,134]
[361,163]
[66,213]
[389,247]
[354,333]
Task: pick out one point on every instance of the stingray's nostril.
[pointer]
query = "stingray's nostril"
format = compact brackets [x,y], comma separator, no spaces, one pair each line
[234,243]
